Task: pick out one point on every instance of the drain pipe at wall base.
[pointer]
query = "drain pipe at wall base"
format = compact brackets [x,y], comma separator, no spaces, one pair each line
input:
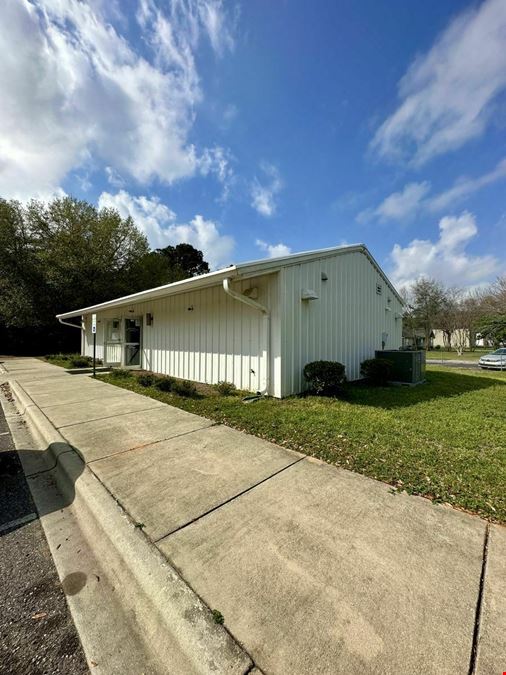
[267,328]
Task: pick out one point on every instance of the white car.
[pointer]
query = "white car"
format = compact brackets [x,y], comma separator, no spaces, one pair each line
[496,359]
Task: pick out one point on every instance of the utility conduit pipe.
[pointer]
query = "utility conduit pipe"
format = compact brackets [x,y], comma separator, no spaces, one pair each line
[267,327]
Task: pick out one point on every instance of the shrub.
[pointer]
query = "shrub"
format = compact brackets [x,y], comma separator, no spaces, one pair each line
[59,357]
[80,361]
[377,371]
[325,378]
[164,383]
[438,347]
[121,373]
[146,380]
[225,388]
[184,388]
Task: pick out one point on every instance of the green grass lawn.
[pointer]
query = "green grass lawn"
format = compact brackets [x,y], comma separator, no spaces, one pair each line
[440,354]
[445,440]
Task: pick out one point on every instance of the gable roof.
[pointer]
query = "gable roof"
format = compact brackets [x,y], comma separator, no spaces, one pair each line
[243,270]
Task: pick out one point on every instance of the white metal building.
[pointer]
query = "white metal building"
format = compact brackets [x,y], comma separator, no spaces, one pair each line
[254,324]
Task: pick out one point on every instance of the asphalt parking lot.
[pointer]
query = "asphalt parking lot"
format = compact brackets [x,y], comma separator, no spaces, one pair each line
[37,635]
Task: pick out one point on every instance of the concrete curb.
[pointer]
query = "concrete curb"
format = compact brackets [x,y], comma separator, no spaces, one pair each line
[175,626]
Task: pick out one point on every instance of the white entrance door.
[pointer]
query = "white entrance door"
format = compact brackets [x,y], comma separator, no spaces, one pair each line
[112,356]
[133,342]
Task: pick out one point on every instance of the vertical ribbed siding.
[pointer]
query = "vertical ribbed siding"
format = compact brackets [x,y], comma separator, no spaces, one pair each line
[220,339]
[344,324]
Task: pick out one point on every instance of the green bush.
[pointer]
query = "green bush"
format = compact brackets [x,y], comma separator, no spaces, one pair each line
[377,371]
[59,357]
[80,362]
[146,380]
[438,347]
[226,388]
[325,378]
[184,388]
[164,383]
[121,373]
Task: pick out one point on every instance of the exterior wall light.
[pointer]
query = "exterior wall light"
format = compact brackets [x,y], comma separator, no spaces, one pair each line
[149,319]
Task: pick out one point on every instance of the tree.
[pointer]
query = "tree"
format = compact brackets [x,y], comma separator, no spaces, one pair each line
[60,255]
[428,301]
[448,319]
[491,322]
[183,261]
[68,254]
[409,323]
[493,328]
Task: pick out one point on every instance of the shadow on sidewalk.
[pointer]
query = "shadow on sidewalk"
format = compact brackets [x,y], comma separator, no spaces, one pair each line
[40,468]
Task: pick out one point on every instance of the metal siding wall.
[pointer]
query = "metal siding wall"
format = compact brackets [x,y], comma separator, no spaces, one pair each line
[221,339]
[346,322]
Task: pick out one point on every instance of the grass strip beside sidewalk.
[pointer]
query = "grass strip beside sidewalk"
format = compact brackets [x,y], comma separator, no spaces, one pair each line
[445,440]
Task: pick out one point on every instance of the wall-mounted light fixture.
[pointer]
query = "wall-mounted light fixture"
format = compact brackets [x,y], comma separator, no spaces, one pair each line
[190,308]
[324,276]
[149,319]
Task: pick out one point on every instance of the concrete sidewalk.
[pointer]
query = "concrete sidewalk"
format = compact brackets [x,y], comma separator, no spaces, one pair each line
[315,569]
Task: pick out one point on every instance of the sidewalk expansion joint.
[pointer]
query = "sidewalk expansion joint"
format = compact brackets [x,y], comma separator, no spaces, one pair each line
[57,405]
[147,445]
[227,501]
[107,417]
[479,605]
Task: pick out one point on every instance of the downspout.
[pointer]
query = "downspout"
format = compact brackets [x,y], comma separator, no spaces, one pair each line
[75,325]
[267,327]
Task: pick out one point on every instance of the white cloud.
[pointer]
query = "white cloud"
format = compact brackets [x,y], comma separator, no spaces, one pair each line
[273,250]
[445,259]
[113,177]
[158,222]
[218,161]
[402,206]
[414,197]
[264,195]
[75,90]
[447,94]
[464,187]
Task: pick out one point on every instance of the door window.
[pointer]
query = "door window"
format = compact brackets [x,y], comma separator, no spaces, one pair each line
[133,342]
[114,330]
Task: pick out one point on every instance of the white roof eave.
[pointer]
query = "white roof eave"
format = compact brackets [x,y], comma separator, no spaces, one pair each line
[246,269]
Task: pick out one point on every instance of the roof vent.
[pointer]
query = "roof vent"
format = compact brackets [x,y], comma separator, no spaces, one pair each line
[308,294]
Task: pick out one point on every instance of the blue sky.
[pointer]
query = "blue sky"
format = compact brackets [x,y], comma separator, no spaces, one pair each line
[257,128]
